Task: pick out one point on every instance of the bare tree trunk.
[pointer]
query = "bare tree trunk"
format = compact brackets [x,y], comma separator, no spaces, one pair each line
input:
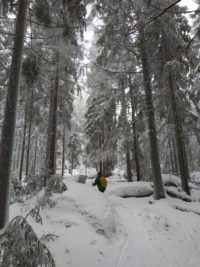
[128,166]
[135,135]
[101,166]
[51,101]
[18,151]
[155,161]
[72,157]
[100,147]
[183,165]
[14,163]
[24,140]
[8,131]
[175,158]
[63,150]
[125,124]
[29,130]
[192,167]
[35,152]
[171,156]
[28,146]
[53,130]
[182,158]
[14,158]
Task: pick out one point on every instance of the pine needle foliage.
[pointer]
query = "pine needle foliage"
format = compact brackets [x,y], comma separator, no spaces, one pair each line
[31,252]
[7,6]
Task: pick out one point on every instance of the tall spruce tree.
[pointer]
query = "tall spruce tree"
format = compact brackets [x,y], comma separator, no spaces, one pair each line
[8,132]
[128,18]
[171,34]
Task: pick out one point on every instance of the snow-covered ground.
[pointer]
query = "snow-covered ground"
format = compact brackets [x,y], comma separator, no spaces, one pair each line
[91,229]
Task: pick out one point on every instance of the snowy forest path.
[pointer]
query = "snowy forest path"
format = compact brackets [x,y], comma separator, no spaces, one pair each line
[148,234]
[107,230]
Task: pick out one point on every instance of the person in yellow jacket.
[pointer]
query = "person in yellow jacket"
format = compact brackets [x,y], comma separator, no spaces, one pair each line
[100,182]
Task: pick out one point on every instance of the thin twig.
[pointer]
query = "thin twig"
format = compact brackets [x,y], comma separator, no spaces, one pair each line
[156,17]
[115,72]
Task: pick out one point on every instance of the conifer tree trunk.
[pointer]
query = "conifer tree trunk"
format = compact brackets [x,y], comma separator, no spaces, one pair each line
[101,167]
[52,161]
[175,158]
[14,163]
[35,153]
[14,160]
[63,150]
[28,146]
[125,123]
[183,165]
[51,101]
[24,140]
[8,131]
[51,150]
[135,136]
[171,156]
[128,166]
[72,161]
[182,158]
[29,130]
[18,152]
[155,161]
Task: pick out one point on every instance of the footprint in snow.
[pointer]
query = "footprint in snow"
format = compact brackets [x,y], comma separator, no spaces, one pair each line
[70,224]
[93,242]
[102,254]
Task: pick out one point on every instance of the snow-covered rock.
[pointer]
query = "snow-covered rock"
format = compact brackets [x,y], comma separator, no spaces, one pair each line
[134,189]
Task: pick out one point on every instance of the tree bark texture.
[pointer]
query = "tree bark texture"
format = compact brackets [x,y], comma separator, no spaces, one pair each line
[135,135]
[23,141]
[155,161]
[63,150]
[51,151]
[29,131]
[125,124]
[183,165]
[35,152]
[175,157]
[171,156]
[179,137]
[8,131]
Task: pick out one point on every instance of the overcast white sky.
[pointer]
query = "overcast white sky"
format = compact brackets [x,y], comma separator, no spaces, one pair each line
[190,3]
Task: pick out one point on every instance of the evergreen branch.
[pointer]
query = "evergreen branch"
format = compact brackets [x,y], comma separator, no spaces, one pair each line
[177,12]
[29,37]
[186,47]
[56,25]
[163,12]
[156,17]
[115,72]
[185,12]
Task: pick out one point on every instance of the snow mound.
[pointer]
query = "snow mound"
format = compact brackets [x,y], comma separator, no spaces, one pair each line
[195,177]
[179,194]
[169,179]
[134,189]
[172,180]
